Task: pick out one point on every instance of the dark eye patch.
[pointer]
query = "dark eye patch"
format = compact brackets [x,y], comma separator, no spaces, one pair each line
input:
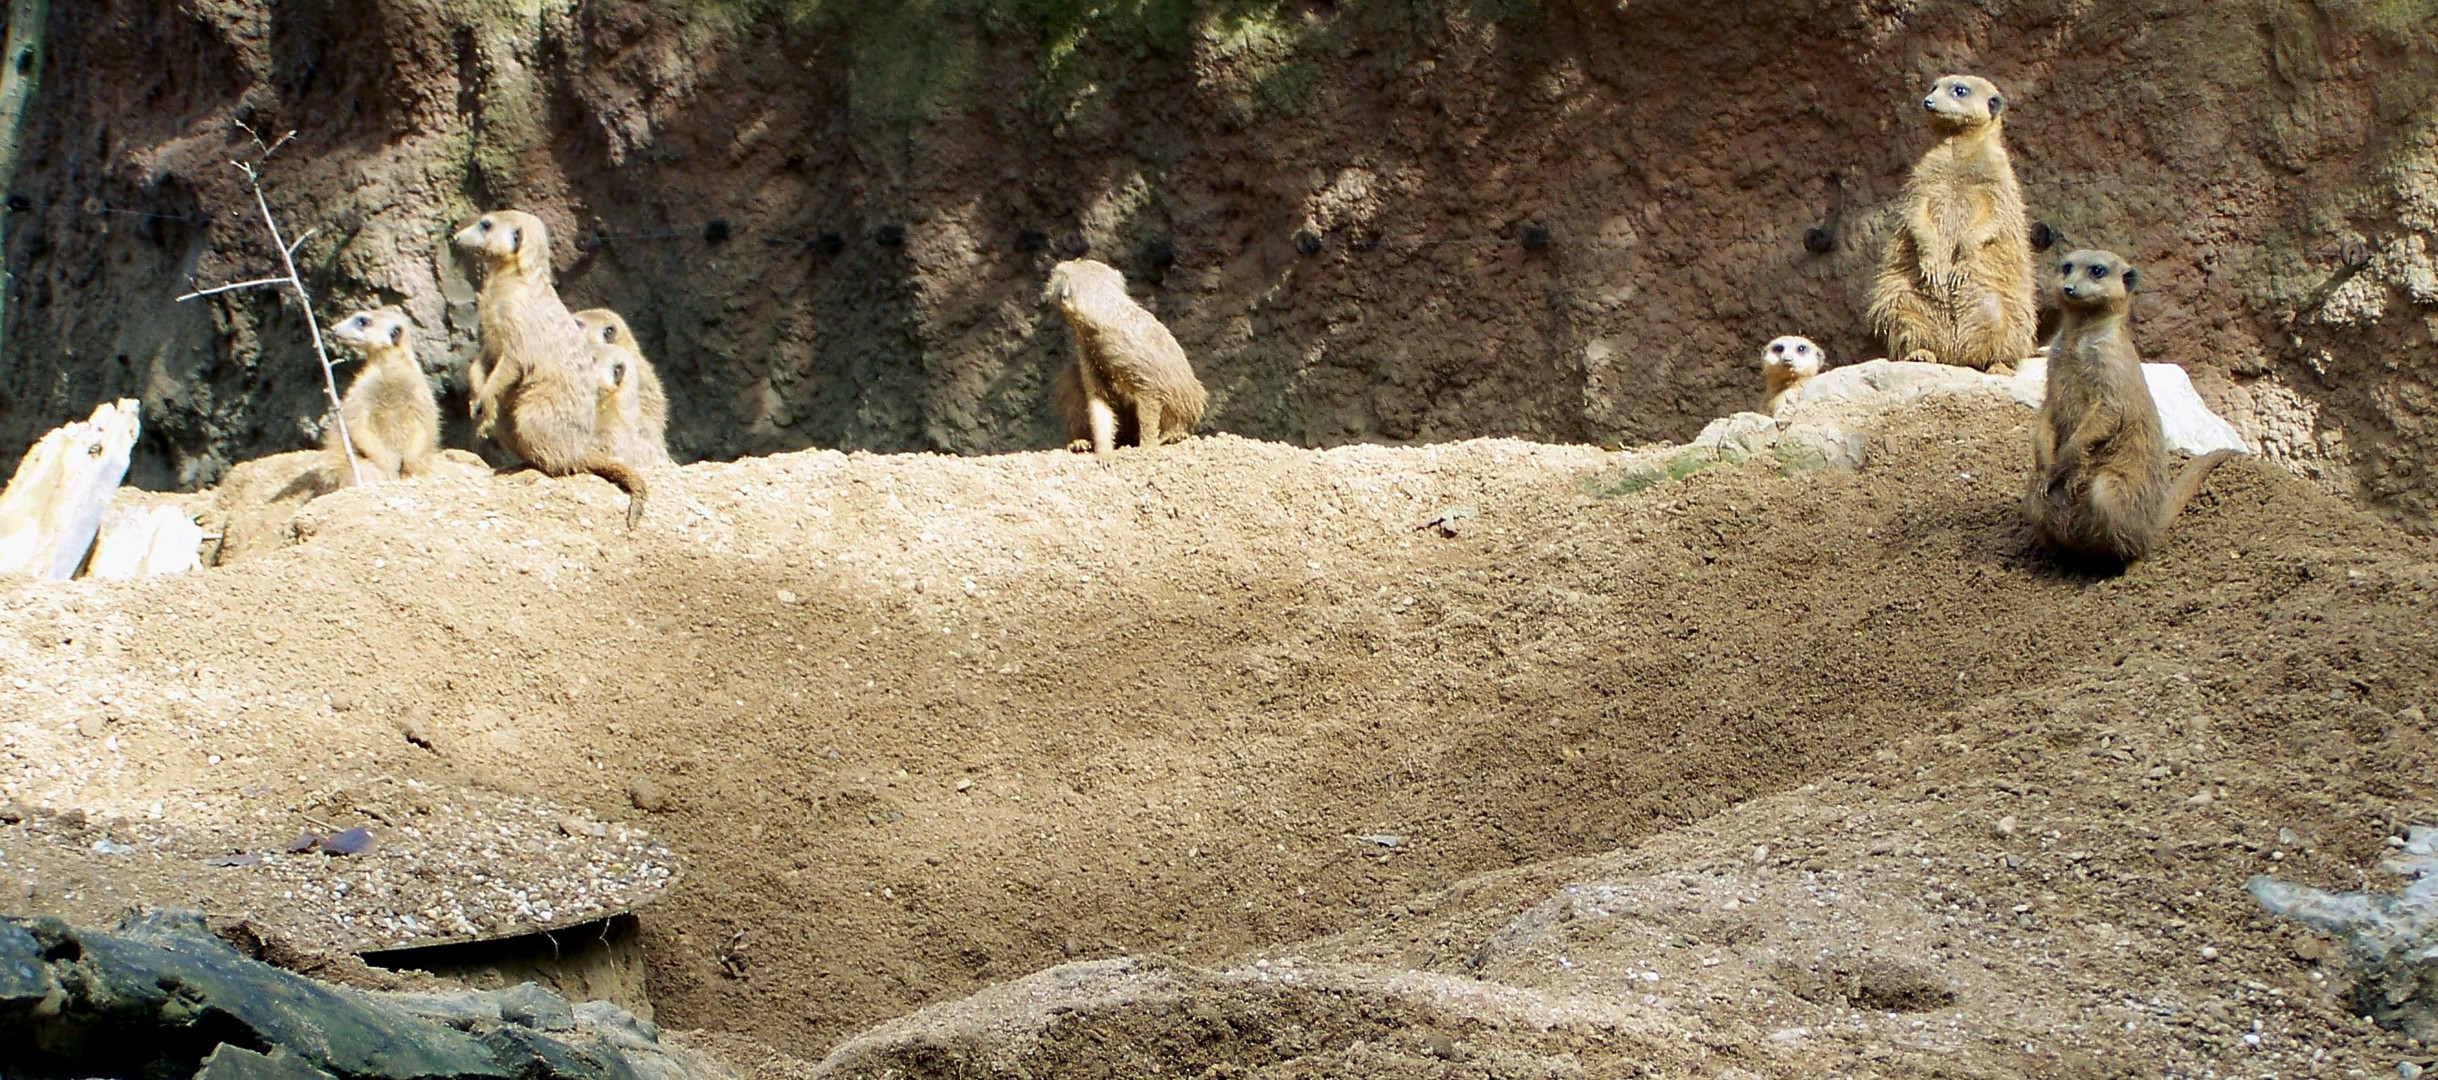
[2099,272]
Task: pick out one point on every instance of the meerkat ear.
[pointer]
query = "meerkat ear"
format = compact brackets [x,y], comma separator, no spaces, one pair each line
[516,240]
[2131,276]
[1997,104]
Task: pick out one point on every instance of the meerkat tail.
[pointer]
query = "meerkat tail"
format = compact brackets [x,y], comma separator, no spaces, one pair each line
[625,476]
[2187,485]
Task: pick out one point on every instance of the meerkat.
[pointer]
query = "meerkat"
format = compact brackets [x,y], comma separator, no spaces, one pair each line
[1787,363]
[534,387]
[1956,284]
[2100,484]
[1124,360]
[631,420]
[390,414]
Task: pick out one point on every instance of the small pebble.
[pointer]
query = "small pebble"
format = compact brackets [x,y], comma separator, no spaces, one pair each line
[964,785]
[2006,825]
[2209,952]
[647,796]
[2408,1070]
[342,702]
[1439,1046]
[91,725]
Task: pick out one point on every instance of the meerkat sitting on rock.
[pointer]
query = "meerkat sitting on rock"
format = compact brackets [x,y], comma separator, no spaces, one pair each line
[2101,487]
[1126,364]
[1956,284]
[631,421]
[1787,363]
[535,389]
[391,417]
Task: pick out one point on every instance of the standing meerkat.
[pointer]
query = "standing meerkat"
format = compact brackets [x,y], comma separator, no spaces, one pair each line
[389,410]
[2100,484]
[1956,284]
[1125,361]
[1787,363]
[631,420]
[534,387]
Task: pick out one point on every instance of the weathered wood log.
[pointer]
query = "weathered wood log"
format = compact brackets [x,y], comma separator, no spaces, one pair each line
[145,541]
[52,508]
[162,997]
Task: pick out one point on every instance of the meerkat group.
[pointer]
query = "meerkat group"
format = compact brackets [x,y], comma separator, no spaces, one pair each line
[537,386]
[571,392]
[1957,285]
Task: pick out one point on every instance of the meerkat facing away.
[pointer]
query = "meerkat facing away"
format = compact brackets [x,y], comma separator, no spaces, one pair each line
[632,417]
[1787,363]
[2100,485]
[1125,361]
[390,413]
[1956,284]
[534,387]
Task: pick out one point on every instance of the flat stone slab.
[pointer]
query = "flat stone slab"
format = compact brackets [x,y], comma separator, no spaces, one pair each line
[161,996]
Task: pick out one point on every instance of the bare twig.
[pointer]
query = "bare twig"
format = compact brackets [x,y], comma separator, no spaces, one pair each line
[295,282]
[217,289]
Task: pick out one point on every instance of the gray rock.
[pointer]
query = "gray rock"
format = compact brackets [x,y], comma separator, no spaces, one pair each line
[531,1006]
[2393,939]
[122,1002]
[237,1063]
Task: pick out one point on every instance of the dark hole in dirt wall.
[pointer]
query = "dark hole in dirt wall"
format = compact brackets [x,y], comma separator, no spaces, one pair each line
[594,961]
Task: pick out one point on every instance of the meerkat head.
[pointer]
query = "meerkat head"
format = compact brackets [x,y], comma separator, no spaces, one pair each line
[1076,275]
[379,328]
[612,372]
[2095,280]
[509,238]
[603,327]
[1963,102]
[1796,355]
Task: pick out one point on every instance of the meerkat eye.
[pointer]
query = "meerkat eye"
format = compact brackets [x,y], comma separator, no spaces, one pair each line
[1803,350]
[2065,269]
[484,225]
[1963,91]
[397,335]
[516,239]
[1779,350]
[2099,272]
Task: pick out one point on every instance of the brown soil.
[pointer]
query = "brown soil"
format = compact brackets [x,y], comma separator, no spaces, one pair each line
[2269,164]
[921,724]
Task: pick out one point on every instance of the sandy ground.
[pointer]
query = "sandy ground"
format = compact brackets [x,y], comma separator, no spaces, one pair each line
[1809,774]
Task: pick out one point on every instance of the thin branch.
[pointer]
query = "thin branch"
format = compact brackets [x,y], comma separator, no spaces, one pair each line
[296,282]
[254,284]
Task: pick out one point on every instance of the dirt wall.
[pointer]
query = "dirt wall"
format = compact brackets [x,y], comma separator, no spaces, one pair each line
[1566,220]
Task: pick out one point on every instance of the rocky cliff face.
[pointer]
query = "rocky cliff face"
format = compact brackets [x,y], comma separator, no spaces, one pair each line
[1574,220]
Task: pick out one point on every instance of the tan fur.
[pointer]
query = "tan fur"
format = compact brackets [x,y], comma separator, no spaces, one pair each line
[1787,363]
[631,420]
[1956,284]
[2100,484]
[533,384]
[1125,363]
[391,415]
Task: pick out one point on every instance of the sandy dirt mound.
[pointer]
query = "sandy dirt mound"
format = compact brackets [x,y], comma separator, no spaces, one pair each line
[917,725]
